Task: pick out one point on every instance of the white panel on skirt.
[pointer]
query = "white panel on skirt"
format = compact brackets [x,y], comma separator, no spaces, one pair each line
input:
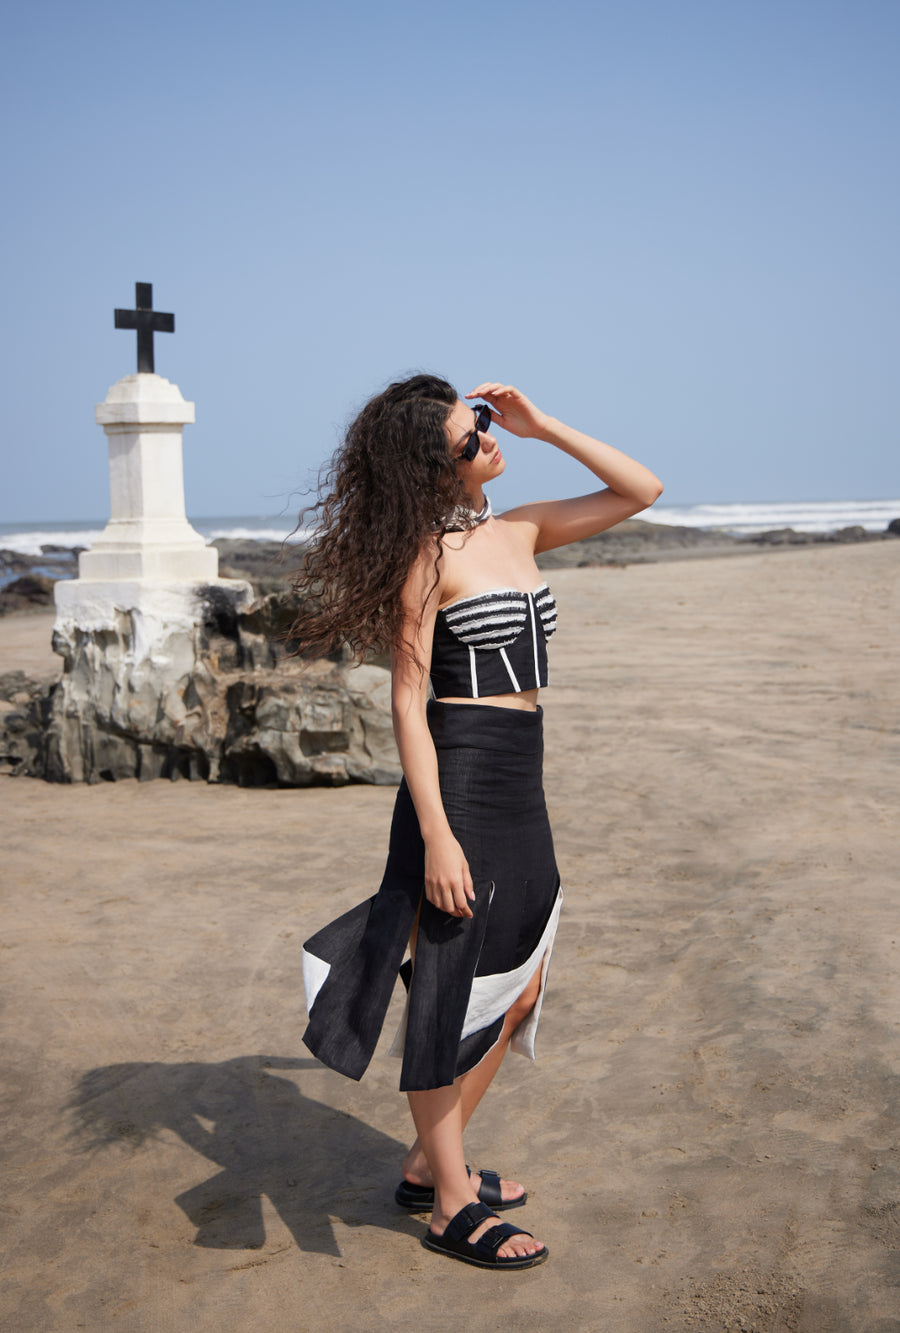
[493,995]
[315,974]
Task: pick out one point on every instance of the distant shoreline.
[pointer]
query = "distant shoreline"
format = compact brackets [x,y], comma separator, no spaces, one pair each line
[26,581]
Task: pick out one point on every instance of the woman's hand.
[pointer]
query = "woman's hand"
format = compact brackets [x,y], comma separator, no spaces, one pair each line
[514,412]
[448,884]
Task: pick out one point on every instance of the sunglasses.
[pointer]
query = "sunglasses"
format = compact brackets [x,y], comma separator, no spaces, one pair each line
[473,444]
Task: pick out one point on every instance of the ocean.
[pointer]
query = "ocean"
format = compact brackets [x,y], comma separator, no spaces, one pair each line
[736,519]
[801,515]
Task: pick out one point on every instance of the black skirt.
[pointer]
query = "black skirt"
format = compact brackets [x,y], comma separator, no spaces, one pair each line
[468,972]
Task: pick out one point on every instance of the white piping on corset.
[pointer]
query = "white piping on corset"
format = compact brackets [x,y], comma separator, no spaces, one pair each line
[537,669]
[512,675]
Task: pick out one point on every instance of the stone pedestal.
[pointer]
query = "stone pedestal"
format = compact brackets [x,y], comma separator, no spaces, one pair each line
[148,535]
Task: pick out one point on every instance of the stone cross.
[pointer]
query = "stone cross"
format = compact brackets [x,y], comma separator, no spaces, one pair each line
[147,321]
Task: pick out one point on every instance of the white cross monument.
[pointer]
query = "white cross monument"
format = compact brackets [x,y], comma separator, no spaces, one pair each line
[127,626]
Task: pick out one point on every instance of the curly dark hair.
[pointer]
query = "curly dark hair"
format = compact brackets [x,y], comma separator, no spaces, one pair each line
[388,490]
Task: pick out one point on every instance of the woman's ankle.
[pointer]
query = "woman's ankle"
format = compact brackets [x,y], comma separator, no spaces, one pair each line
[415,1167]
[446,1207]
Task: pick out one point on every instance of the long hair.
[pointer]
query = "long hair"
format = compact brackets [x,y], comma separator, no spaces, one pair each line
[387,492]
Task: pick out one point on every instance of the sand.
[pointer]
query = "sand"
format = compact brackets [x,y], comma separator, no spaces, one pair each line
[710,1135]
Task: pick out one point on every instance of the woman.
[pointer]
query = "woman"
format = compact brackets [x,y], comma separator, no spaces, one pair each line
[409,556]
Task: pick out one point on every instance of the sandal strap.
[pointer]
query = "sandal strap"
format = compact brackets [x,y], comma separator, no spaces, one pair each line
[489,1190]
[467,1220]
[494,1237]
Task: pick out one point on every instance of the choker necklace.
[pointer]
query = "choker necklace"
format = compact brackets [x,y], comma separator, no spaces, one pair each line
[462,517]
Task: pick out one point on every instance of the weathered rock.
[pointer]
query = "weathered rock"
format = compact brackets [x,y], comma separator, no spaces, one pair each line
[16,687]
[31,592]
[267,565]
[322,723]
[215,700]
[23,715]
[781,537]
[14,562]
[634,540]
[56,562]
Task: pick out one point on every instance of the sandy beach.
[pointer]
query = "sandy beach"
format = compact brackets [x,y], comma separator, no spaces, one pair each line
[709,1137]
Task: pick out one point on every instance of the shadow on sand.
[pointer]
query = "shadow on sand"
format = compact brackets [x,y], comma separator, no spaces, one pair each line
[311,1161]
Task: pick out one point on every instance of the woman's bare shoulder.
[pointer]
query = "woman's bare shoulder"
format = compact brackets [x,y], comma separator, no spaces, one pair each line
[520,526]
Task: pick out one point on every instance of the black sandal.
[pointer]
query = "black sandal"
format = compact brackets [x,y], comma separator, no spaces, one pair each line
[483,1251]
[419,1198]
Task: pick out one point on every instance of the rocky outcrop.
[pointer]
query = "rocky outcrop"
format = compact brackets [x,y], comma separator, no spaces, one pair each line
[267,565]
[638,541]
[325,725]
[215,700]
[30,592]
[23,719]
[26,581]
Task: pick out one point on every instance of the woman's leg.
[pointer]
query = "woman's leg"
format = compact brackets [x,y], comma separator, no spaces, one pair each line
[472,1086]
[438,1120]
[477,1081]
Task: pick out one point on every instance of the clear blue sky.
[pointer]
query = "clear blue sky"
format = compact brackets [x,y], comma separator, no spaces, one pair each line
[673,223]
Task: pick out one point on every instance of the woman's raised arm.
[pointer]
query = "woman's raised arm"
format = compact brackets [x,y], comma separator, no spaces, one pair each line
[448,884]
[630,487]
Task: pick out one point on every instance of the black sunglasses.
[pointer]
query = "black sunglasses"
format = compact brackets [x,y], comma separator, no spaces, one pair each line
[473,444]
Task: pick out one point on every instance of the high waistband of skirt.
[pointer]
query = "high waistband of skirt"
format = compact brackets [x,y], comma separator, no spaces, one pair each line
[486,727]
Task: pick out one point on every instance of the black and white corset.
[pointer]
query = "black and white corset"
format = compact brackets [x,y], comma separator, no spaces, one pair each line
[492,643]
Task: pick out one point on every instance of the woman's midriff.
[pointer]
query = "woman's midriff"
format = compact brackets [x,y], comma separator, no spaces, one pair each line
[526,700]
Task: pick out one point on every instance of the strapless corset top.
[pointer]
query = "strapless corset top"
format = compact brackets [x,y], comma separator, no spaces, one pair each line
[493,643]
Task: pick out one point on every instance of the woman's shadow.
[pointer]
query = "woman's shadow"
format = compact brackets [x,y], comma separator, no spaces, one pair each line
[311,1161]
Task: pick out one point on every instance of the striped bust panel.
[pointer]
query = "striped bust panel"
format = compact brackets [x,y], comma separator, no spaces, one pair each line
[545,605]
[496,619]
[490,619]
